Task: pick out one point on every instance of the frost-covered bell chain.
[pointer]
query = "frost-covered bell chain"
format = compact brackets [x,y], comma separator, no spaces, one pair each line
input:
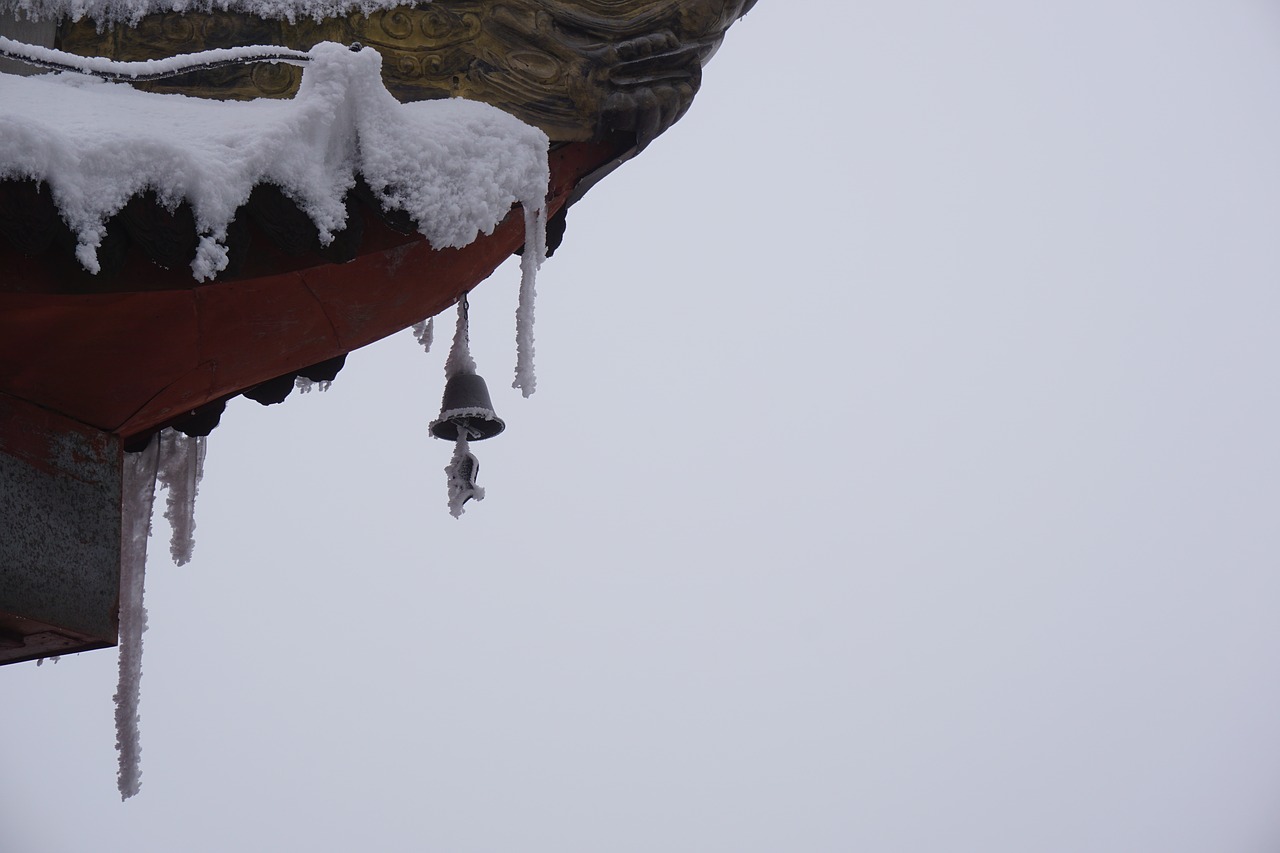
[459,359]
[150,69]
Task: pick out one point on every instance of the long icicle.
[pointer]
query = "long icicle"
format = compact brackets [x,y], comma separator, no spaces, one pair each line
[535,243]
[138,490]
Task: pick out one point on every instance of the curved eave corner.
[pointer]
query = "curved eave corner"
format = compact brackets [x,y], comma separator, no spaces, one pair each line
[131,362]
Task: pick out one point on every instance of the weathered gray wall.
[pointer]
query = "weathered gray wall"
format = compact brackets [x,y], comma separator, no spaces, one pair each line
[59,521]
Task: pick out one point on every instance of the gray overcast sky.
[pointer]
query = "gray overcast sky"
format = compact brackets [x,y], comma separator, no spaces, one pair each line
[903,476]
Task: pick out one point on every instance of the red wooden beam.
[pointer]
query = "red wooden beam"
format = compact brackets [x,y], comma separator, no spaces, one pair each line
[129,362]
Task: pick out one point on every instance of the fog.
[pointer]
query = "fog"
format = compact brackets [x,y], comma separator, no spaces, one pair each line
[902,476]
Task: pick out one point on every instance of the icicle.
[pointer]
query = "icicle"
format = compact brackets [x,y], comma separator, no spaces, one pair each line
[180,469]
[425,333]
[535,235]
[138,490]
[460,360]
[462,471]
[303,384]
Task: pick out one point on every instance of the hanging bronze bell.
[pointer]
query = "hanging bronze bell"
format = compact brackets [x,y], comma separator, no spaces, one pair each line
[466,404]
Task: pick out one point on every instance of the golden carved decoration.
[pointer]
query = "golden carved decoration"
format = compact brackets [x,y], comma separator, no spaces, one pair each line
[579,70]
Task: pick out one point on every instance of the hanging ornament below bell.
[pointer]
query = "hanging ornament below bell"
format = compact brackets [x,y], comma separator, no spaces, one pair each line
[462,471]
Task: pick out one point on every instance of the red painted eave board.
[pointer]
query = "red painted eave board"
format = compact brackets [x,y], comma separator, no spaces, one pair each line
[129,362]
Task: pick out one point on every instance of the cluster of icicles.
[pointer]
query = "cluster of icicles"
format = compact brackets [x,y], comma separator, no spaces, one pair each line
[458,424]
[175,462]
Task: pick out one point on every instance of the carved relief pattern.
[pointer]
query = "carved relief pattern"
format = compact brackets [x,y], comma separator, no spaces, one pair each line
[577,69]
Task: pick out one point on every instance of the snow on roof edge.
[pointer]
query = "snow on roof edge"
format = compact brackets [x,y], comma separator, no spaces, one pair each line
[456,167]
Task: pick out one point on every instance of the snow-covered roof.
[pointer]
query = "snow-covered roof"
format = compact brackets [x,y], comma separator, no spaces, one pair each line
[455,167]
[132,11]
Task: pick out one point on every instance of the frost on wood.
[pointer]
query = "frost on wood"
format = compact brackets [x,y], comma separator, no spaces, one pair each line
[454,166]
[132,11]
[146,69]
[535,238]
[180,469]
[138,496]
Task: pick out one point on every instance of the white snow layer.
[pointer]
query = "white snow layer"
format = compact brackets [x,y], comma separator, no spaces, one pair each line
[455,166]
[138,491]
[132,11]
[180,469]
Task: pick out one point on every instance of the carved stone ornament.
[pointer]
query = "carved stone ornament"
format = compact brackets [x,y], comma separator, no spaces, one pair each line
[578,69]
